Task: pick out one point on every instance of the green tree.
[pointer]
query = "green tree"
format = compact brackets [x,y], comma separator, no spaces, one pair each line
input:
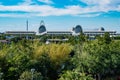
[107,38]
[2,36]
[100,60]
[75,75]
[16,58]
[27,75]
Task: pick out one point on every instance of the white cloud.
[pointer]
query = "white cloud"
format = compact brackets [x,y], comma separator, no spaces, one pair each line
[46,1]
[10,15]
[17,15]
[26,8]
[101,2]
[90,15]
[46,10]
[96,2]
[26,2]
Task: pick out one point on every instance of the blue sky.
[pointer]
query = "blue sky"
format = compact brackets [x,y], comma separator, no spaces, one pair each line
[59,14]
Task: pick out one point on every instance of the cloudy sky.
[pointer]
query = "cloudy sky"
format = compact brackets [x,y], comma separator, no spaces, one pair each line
[59,14]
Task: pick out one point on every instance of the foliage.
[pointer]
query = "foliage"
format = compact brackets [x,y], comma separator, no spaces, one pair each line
[100,60]
[50,58]
[105,39]
[27,75]
[15,39]
[74,75]
[2,36]
[77,60]
[56,52]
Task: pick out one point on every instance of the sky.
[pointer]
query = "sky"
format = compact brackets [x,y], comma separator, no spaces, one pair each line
[59,14]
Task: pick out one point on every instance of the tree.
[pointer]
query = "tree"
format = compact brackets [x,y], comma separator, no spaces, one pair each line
[16,58]
[82,37]
[107,38]
[27,75]
[2,36]
[49,59]
[75,75]
[100,60]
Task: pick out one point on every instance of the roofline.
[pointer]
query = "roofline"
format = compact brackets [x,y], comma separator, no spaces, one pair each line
[99,31]
[59,31]
[19,31]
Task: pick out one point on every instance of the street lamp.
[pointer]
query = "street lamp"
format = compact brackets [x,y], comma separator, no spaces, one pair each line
[32,71]
[1,75]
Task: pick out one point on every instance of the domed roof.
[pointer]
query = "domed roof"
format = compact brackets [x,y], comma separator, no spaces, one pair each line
[101,29]
[42,28]
[78,29]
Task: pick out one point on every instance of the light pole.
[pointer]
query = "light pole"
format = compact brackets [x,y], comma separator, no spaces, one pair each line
[32,71]
[1,75]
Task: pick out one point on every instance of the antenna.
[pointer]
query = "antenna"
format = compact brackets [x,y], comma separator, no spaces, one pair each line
[27,25]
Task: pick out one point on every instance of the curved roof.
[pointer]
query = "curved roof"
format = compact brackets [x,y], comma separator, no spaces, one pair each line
[42,28]
[78,29]
[101,29]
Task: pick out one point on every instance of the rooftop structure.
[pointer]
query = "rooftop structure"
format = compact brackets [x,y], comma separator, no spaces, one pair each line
[42,27]
[75,31]
[93,34]
[20,32]
[42,30]
[59,32]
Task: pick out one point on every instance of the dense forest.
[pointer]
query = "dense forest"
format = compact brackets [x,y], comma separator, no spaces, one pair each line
[76,59]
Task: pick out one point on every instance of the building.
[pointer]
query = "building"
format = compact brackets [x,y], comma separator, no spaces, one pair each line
[59,33]
[75,31]
[5,41]
[42,30]
[99,32]
[26,34]
[20,33]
